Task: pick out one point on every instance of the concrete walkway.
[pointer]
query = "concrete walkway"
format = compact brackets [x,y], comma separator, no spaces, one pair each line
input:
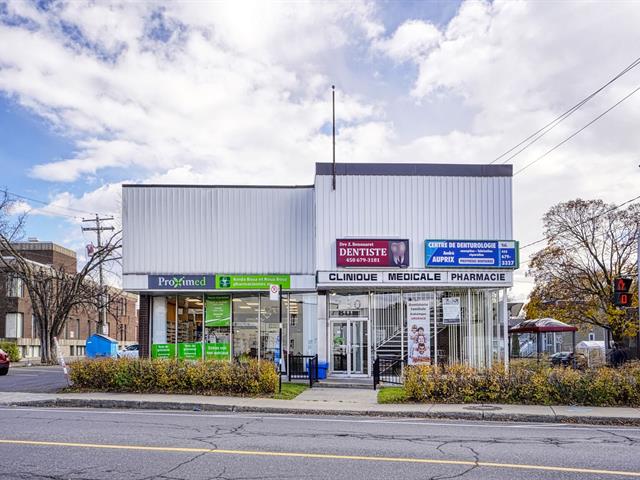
[328,401]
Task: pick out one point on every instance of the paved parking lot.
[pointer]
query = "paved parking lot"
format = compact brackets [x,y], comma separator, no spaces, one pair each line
[36,379]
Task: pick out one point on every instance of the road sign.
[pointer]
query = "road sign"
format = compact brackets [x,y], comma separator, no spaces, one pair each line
[274,292]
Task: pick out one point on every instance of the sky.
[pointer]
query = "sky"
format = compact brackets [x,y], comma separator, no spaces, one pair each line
[94,94]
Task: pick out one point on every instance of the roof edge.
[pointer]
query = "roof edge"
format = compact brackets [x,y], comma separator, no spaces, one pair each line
[417,169]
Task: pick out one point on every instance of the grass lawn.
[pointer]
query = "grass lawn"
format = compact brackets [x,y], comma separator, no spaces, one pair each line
[290,391]
[392,395]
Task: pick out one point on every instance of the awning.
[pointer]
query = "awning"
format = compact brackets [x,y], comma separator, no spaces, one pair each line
[542,325]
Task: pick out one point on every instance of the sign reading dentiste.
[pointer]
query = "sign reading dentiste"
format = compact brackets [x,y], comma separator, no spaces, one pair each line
[181,282]
[472,254]
[364,252]
[251,282]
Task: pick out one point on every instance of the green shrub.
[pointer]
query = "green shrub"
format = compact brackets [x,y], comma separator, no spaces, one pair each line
[12,350]
[392,395]
[525,384]
[173,376]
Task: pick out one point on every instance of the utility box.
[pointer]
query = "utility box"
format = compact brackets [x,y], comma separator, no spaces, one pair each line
[101,346]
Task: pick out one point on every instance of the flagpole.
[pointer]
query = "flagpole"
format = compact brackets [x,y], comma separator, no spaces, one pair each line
[333,104]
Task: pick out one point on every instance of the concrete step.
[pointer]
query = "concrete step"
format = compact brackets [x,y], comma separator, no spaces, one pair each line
[346,383]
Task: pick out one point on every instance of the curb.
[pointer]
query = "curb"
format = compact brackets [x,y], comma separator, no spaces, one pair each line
[491,416]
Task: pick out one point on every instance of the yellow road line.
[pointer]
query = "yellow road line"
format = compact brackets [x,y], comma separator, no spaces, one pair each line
[325,456]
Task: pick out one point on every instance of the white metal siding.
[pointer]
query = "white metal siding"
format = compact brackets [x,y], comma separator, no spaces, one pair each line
[413,207]
[192,230]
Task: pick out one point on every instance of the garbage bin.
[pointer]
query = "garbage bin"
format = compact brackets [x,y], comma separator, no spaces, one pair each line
[322,370]
[101,346]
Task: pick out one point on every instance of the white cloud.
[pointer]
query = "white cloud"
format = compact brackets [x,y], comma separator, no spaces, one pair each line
[413,39]
[239,92]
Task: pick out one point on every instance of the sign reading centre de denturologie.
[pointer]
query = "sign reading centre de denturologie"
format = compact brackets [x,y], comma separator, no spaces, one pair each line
[181,282]
[480,278]
[251,282]
[366,252]
[471,254]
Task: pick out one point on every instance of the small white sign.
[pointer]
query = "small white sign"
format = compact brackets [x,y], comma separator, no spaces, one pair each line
[451,310]
[274,292]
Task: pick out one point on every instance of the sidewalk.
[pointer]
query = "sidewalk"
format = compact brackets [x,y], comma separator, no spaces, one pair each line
[325,401]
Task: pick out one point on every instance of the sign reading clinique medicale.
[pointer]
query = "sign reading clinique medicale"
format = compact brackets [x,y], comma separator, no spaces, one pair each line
[365,252]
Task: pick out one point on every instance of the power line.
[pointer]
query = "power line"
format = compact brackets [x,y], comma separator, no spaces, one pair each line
[577,132]
[49,205]
[551,125]
[615,207]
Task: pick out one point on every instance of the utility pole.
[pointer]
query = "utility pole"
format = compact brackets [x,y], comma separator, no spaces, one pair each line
[98,228]
[333,105]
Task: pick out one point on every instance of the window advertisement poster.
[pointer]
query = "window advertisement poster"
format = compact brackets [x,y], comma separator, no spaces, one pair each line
[451,310]
[251,282]
[419,344]
[472,254]
[220,350]
[218,311]
[163,350]
[366,252]
[190,351]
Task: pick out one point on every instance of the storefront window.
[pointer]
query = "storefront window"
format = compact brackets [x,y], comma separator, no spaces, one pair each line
[303,317]
[270,328]
[245,327]
[189,327]
[218,328]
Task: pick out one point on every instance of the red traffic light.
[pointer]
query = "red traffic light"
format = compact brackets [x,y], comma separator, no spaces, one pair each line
[621,284]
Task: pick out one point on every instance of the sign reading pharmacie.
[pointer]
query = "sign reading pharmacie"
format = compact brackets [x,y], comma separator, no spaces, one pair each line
[181,282]
[479,278]
[471,254]
[372,253]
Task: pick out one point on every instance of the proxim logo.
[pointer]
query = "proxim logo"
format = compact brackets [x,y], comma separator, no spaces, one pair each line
[181,282]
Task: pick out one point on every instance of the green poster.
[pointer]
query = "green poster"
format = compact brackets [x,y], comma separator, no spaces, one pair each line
[163,350]
[251,282]
[190,351]
[218,312]
[217,351]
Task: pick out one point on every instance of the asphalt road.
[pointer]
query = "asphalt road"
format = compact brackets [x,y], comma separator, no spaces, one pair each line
[38,443]
[33,379]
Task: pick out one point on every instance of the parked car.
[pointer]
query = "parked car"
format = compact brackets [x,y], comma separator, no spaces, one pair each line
[130,351]
[4,362]
[561,359]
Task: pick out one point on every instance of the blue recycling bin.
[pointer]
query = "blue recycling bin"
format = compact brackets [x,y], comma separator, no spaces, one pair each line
[101,346]
[322,370]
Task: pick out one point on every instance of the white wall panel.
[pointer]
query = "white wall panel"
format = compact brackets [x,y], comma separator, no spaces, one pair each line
[193,229]
[413,207]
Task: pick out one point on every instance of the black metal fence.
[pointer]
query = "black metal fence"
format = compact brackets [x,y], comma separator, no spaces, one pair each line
[303,367]
[387,370]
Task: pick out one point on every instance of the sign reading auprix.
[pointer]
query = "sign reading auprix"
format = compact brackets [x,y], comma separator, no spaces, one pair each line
[181,282]
[365,252]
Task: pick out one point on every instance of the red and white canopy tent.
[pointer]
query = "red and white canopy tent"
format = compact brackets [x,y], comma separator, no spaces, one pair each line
[544,325]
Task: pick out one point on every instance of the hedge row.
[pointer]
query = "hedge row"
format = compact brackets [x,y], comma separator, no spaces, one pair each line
[12,350]
[173,376]
[606,387]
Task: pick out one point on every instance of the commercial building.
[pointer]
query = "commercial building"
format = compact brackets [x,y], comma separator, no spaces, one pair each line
[401,260]
[18,324]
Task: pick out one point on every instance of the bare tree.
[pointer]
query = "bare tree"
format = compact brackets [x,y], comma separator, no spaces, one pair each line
[589,243]
[11,221]
[56,293]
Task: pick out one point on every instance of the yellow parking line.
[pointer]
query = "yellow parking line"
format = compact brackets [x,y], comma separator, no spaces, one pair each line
[326,456]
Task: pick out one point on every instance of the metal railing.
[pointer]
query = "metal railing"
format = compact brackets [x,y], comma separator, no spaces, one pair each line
[387,370]
[303,367]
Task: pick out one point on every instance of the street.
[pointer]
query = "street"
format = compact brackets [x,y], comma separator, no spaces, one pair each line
[39,443]
[39,379]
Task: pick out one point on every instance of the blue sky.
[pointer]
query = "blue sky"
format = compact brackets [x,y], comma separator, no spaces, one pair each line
[93,95]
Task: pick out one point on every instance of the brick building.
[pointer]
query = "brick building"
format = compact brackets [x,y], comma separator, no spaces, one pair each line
[17,323]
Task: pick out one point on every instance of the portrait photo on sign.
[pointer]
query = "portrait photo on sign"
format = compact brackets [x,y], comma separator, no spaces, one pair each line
[399,250]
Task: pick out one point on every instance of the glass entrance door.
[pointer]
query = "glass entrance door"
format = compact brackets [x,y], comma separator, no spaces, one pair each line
[349,346]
